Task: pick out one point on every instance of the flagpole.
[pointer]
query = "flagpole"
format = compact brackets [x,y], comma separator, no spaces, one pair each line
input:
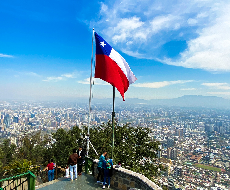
[113,116]
[90,96]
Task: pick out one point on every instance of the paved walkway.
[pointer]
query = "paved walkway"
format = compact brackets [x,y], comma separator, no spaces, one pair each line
[84,182]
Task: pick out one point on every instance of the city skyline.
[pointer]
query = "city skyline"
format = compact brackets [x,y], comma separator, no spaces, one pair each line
[173,48]
[194,142]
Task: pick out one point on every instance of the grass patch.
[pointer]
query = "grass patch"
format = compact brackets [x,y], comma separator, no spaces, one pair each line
[208,167]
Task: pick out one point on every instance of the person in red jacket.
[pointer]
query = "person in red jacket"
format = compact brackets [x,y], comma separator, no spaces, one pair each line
[50,168]
[72,161]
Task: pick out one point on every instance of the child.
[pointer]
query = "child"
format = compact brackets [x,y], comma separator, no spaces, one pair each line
[67,172]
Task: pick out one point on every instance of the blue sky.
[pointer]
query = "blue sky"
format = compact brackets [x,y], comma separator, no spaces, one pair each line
[173,47]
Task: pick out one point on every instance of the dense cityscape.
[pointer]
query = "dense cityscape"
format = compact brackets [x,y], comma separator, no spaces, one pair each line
[195,145]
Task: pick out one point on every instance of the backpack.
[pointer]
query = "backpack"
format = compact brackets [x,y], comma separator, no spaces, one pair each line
[108,165]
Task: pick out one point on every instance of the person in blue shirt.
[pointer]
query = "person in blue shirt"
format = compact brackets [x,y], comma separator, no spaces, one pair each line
[100,167]
[107,166]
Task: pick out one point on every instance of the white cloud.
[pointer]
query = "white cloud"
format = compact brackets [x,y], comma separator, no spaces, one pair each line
[188,89]
[210,50]
[145,26]
[31,74]
[95,81]
[125,28]
[54,79]
[160,84]
[134,54]
[221,86]
[61,77]
[219,93]
[104,7]
[202,15]
[70,75]
[163,22]
[25,73]
[134,29]
[5,55]
[192,21]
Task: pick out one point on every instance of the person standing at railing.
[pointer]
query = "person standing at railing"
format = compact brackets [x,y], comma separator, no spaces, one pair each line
[100,167]
[108,168]
[50,168]
[80,160]
[72,161]
[54,170]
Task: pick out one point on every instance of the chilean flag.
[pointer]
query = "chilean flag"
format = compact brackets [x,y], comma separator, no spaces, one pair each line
[112,67]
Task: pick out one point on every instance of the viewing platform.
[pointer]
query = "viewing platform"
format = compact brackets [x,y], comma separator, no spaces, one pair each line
[122,179]
[85,181]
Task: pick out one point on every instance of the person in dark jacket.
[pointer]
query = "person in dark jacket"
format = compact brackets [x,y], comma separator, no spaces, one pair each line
[100,167]
[72,161]
[107,166]
[80,160]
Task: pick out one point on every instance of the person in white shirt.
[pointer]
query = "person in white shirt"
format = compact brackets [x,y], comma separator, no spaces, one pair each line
[67,172]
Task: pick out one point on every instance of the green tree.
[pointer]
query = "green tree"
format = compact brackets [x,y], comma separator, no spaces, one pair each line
[25,151]
[1,161]
[8,152]
[64,144]
[17,167]
[100,138]
[133,147]
[40,148]
[33,147]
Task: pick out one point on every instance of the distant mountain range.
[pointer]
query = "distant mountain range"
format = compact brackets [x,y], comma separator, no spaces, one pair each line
[184,101]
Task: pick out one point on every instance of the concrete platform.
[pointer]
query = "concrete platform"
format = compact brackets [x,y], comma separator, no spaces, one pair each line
[83,182]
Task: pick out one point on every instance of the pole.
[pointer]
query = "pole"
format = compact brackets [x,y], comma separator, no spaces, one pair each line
[90,96]
[113,116]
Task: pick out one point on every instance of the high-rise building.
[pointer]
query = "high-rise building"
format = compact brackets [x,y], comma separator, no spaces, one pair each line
[53,123]
[221,130]
[16,119]
[172,153]
[209,128]
[179,132]
[170,142]
[171,184]
[169,152]
[159,152]
[7,120]
[178,171]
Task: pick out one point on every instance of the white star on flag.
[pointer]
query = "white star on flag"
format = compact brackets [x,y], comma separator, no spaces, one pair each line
[102,44]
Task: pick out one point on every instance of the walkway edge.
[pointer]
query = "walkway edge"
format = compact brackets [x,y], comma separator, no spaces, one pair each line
[49,183]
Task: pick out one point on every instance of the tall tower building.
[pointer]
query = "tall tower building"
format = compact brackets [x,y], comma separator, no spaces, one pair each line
[179,132]
[7,120]
[172,153]
[170,142]
[16,119]
[169,152]
[178,171]
[171,184]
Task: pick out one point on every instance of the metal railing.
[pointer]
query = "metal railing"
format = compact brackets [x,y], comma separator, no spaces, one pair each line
[19,182]
[26,181]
